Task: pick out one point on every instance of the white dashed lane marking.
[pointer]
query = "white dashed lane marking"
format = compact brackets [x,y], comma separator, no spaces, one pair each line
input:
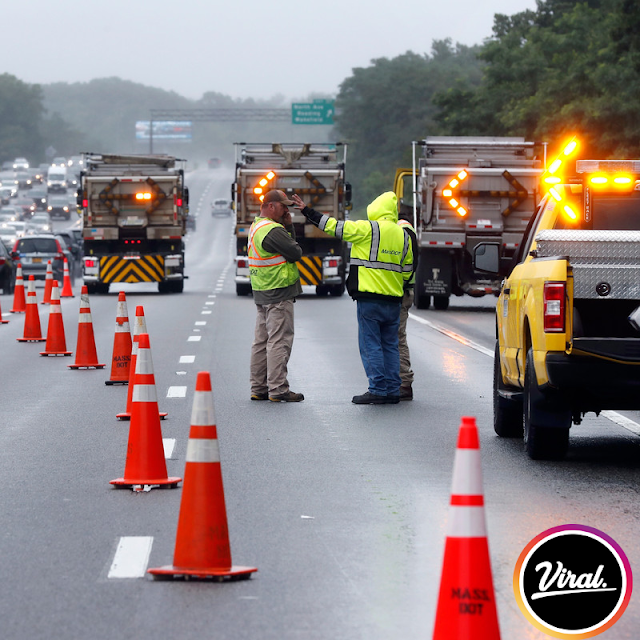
[187,359]
[131,557]
[177,392]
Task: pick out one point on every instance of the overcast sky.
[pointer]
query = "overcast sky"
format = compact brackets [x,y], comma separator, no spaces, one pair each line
[250,48]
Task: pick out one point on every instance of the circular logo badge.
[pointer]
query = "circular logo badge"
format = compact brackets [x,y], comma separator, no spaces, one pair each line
[572,581]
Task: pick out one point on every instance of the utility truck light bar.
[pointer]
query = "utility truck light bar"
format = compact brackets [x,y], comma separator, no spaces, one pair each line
[143,196]
[608,166]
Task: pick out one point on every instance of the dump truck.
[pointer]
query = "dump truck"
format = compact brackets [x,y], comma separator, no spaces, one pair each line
[316,172]
[460,192]
[568,314]
[134,210]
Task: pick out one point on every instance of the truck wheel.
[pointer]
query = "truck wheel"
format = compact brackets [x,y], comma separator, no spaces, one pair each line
[441,303]
[336,290]
[322,290]
[103,288]
[542,441]
[92,288]
[421,300]
[507,412]
[243,289]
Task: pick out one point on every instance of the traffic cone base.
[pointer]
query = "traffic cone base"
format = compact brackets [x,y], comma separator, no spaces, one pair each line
[234,573]
[134,482]
[127,416]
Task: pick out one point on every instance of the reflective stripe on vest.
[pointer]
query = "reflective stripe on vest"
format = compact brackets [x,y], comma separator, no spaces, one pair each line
[257,261]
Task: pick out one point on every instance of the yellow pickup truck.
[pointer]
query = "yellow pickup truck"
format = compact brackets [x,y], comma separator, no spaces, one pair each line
[568,315]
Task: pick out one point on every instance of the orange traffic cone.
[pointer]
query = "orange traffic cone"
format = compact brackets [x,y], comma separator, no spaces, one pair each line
[202,540]
[139,327]
[466,604]
[19,302]
[56,342]
[86,355]
[145,463]
[1,320]
[67,292]
[121,357]
[32,331]
[48,284]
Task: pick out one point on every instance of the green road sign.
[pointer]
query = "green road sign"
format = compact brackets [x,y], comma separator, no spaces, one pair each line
[316,112]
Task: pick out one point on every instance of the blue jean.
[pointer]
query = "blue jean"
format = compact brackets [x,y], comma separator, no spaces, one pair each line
[378,341]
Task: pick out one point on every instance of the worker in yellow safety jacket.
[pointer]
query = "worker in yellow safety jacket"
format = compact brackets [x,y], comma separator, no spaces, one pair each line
[275,281]
[381,262]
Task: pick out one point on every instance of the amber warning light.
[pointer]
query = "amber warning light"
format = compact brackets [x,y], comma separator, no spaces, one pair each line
[448,193]
[263,182]
[143,196]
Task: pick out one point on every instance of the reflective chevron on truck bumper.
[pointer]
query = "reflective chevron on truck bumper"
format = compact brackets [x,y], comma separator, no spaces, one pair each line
[139,269]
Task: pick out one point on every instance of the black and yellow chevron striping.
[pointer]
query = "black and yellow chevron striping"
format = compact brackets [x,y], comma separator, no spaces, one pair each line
[310,268]
[142,269]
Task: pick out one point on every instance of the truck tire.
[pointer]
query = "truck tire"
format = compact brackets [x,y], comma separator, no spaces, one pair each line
[507,412]
[243,289]
[421,300]
[543,441]
[336,290]
[441,303]
[322,290]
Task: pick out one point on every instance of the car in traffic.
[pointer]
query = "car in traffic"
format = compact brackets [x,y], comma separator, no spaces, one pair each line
[7,270]
[20,163]
[9,214]
[59,161]
[25,206]
[39,196]
[74,248]
[213,163]
[24,180]
[59,207]
[34,252]
[6,193]
[21,227]
[8,234]
[221,207]
[40,223]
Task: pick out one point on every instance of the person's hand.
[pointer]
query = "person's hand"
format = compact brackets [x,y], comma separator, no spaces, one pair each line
[286,219]
[297,202]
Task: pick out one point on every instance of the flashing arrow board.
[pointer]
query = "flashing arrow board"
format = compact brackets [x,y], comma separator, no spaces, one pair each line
[316,112]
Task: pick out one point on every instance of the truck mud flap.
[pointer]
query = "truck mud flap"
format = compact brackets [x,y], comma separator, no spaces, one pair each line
[435,270]
[141,269]
[310,268]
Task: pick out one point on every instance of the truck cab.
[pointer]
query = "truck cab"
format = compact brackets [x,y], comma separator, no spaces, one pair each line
[568,330]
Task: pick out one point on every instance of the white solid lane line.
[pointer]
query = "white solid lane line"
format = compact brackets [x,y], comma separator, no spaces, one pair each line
[613,416]
[131,557]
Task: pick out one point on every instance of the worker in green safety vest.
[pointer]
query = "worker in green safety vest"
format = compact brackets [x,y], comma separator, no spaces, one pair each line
[273,252]
[381,262]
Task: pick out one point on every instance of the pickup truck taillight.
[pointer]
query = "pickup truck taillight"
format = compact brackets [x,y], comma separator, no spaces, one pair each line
[243,263]
[554,306]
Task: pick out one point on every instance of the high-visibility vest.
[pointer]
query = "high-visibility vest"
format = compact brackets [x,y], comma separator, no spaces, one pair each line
[380,250]
[268,270]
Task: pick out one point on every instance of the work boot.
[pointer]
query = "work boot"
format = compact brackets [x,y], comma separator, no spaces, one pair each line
[369,398]
[406,393]
[260,396]
[290,396]
[392,399]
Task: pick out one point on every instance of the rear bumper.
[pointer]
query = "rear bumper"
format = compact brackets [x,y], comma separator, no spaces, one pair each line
[594,384]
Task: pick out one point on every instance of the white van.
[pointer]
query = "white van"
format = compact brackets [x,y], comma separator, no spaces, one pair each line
[57,179]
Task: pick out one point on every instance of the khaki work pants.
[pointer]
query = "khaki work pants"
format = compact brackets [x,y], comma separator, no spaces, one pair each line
[406,373]
[271,348]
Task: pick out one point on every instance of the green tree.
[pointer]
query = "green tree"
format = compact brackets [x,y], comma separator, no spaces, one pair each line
[20,113]
[382,108]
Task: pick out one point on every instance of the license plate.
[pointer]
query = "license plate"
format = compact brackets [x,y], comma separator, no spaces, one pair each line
[36,260]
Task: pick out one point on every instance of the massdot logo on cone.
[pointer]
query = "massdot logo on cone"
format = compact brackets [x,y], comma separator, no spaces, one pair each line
[572,581]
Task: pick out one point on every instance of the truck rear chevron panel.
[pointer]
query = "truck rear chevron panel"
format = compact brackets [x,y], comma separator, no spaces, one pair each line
[310,268]
[142,269]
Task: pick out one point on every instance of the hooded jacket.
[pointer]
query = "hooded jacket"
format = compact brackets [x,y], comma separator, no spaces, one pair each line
[381,257]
